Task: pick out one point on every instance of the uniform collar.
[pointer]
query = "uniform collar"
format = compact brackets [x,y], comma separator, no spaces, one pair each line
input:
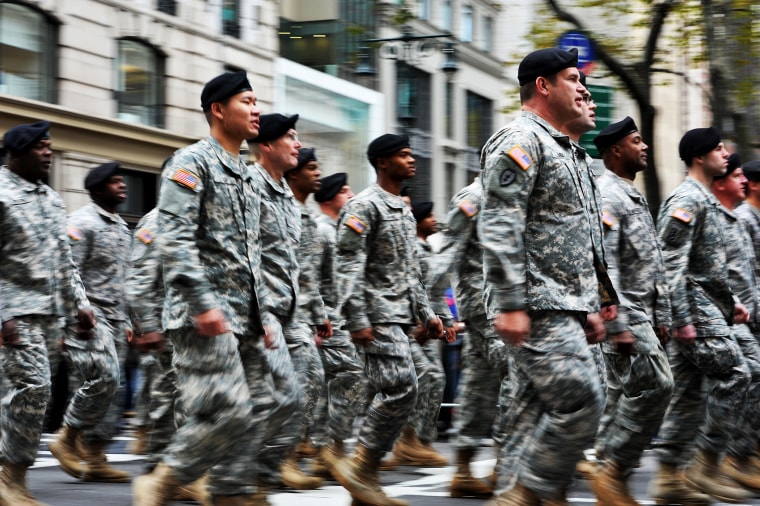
[391,200]
[228,160]
[24,185]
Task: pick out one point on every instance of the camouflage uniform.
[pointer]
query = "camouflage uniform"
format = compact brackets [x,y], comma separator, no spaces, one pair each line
[145,295]
[484,361]
[750,216]
[712,371]
[299,392]
[344,375]
[99,243]
[541,231]
[643,383]
[39,285]
[210,249]
[379,285]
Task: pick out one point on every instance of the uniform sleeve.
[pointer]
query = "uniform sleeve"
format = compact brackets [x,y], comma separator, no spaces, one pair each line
[179,204]
[675,227]
[73,253]
[613,223]
[354,225]
[425,310]
[144,284]
[456,235]
[507,186]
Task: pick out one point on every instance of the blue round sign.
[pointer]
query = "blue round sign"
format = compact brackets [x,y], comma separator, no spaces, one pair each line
[579,41]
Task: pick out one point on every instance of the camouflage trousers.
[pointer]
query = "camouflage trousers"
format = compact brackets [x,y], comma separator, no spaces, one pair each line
[640,386]
[26,371]
[392,387]
[431,382]
[164,413]
[344,392]
[478,391]
[285,419]
[556,400]
[712,379]
[225,390]
[96,365]
[149,369]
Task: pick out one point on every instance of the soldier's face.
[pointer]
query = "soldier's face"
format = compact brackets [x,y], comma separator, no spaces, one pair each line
[344,195]
[716,161]
[241,115]
[735,184]
[114,191]
[633,150]
[401,165]
[307,178]
[566,94]
[285,150]
[35,163]
[428,226]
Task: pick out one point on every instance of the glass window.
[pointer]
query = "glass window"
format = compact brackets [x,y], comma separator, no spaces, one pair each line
[168,6]
[139,83]
[413,93]
[424,9]
[465,27]
[27,53]
[479,120]
[231,18]
[446,12]
[449,110]
[141,194]
[487,33]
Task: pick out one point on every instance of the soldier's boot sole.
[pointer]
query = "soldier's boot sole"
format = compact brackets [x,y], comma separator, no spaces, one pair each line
[469,486]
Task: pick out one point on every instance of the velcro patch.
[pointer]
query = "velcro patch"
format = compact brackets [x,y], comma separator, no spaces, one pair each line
[75,233]
[520,157]
[185,178]
[682,214]
[356,224]
[507,177]
[468,208]
[608,219]
[145,235]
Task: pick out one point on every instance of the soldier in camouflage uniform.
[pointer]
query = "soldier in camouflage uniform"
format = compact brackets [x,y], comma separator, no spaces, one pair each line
[484,358]
[749,211]
[711,375]
[381,296]
[215,308]
[634,350]
[40,285]
[545,279]
[414,447]
[729,189]
[99,240]
[276,151]
[346,383]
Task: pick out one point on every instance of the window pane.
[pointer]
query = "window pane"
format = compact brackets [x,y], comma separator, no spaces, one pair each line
[479,120]
[231,18]
[466,26]
[138,84]
[168,6]
[446,14]
[25,53]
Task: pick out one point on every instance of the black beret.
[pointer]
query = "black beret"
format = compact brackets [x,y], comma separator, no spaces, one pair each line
[421,210]
[22,137]
[734,162]
[545,63]
[330,186]
[614,132]
[274,126]
[100,174]
[582,78]
[752,170]
[387,145]
[223,87]
[306,155]
[697,142]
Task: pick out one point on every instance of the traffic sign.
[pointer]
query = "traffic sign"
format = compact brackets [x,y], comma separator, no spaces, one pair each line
[584,45]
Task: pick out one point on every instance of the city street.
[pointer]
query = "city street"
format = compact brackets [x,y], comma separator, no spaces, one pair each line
[423,487]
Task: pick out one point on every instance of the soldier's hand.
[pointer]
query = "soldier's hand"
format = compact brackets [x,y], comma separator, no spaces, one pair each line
[363,336]
[513,326]
[435,328]
[325,331]
[594,328]
[10,336]
[450,334]
[663,334]
[130,335]
[624,343]
[608,313]
[270,338]
[211,323]
[420,335]
[686,334]
[150,341]
[741,314]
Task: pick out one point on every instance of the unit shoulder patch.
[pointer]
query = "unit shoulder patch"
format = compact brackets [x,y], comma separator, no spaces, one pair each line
[185,178]
[520,157]
[145,235]
[468,208]
[507,177]
[356,224]
[74,233]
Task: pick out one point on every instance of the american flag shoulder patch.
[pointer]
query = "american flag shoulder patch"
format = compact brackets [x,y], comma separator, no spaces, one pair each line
[608,218]
[75,233]
[356,224]
[520,157]
[185,178]
[468,208]
[145,235]
[682,214]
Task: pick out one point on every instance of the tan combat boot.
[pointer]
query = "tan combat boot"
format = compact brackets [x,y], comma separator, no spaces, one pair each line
[235,500]
[292,475]
[138,445]
[742,471]
[196,491]
[155,488]
[328,455]
[464,484]
[64,448]
[410,451]
[98,469]
[306,449]
[13,489]
[358,475]
[517,496]
[610,487]
[705,475]
[586,468]
[261,497]
[671,488]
